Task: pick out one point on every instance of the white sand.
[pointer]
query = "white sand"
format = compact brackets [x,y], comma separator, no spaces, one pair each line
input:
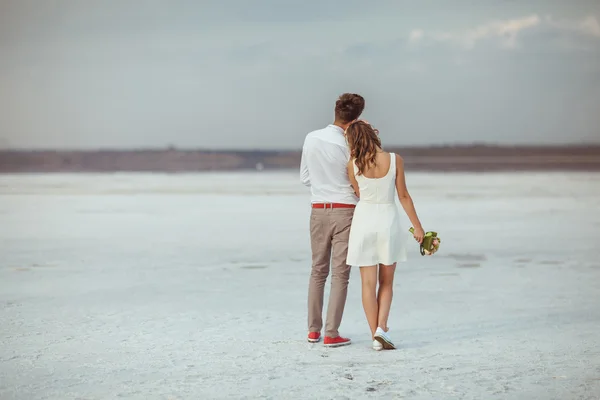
[194,287]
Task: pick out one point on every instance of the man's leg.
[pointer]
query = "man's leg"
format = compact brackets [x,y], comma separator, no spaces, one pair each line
[320,243]
[342,219]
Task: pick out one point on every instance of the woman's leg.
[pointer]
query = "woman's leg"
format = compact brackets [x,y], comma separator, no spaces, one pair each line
[384,296]
[368,276]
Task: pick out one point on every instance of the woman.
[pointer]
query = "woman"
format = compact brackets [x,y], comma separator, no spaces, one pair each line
[375,243]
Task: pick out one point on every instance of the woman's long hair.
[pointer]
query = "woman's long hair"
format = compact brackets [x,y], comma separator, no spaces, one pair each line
[363,141]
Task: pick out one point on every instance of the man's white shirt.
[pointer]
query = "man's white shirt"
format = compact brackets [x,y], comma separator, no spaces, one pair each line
[323,166]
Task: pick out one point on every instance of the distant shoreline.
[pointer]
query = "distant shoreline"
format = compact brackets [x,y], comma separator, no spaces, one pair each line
[464,158]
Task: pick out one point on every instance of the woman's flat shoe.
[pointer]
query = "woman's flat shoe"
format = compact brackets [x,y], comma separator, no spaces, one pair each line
[382,337]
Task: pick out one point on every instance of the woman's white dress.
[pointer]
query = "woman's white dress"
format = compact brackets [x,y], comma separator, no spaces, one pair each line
[376,236]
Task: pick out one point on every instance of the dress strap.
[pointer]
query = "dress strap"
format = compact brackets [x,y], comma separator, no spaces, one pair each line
[393,165]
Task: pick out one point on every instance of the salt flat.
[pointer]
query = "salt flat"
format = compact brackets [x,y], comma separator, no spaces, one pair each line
[194,287]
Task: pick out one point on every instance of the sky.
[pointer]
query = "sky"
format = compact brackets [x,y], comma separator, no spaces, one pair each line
[261,74]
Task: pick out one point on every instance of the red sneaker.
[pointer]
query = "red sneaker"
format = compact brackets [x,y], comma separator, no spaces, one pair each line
[314,337]
[335,341]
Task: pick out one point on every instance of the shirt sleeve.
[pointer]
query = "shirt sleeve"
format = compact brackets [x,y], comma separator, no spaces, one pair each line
[304,175]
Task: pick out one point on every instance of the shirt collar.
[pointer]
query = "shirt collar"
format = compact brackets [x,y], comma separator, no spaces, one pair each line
[335,127]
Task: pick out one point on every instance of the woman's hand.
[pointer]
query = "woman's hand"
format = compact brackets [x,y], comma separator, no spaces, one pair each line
[418,234]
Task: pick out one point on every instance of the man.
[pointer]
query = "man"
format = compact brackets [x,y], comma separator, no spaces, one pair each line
[323,168]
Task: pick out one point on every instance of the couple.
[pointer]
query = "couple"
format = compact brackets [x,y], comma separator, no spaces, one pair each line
[354,220]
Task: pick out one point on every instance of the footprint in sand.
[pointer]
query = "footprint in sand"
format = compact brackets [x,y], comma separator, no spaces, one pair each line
[468,265]
[375,385]
[254,267]
[523,260]
[10,304]
[45,265]
[467,260]
[445,274]
[466,257]
[551,262]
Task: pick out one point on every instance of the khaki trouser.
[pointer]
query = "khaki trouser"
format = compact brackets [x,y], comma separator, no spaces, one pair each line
[329,232]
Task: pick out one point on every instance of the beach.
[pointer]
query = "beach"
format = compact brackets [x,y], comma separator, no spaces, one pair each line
[194,286]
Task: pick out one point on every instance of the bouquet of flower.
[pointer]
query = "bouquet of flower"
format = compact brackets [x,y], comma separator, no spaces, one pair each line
[431,243]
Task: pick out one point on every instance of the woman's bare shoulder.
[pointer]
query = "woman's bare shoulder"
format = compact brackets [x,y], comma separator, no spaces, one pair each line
[399,165]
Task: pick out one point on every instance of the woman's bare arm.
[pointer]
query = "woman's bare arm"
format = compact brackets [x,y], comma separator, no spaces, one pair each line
[404,196]
[353,178]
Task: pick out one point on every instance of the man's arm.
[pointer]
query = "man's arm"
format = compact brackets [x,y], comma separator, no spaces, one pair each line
[304,176]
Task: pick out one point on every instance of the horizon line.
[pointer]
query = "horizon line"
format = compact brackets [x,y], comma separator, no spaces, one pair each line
[275,150]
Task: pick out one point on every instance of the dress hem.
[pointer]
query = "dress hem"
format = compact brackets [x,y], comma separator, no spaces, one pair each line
[376,263]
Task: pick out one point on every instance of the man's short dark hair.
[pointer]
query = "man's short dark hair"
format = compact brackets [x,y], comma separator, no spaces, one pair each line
[348,107]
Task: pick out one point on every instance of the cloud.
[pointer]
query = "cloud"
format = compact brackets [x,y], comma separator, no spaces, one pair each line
[506,32]
[588,26]
[416,35]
